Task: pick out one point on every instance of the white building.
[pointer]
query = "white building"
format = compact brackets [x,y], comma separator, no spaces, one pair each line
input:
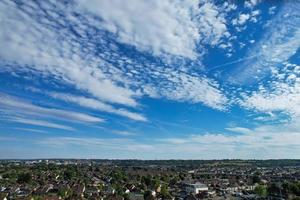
[196,188]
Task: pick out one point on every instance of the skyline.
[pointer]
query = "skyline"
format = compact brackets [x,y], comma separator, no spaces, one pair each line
[150,79]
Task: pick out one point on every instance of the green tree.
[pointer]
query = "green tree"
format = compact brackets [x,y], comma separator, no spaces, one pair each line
[256,178]
[261,190]
[37,197]
[155,183]
[64,193]
[24,177]
[295,188]
[146,180]
[126,196]
[274,189]
[165,192]
[147,194]
[174,180]
[69,173]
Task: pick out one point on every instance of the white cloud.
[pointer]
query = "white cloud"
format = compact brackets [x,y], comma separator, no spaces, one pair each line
[97,105]
[243,18]
[187,88]
[280,42]
[251,3]
[272,10]
[30,130]
[239,130]
[14,106]
[254,15]
[229,6]
[268,102]
[87,60]
[211,24]
[98,143]
[269,117]
[42,123]
[163,27]
[48,50]
[42,46]
[263,142]
[278,97]
[124,133]
[283,97]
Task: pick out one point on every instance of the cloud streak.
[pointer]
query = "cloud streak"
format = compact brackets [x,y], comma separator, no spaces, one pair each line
[42,123]
[97,105]
[16,107]
[98,143]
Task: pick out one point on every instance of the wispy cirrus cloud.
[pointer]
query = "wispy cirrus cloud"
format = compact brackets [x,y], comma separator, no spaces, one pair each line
[124,133]
[190,88]
[97,105]
[98,143]
[12,106]
[239,129]
[30,130]
[279,43]
[41,123]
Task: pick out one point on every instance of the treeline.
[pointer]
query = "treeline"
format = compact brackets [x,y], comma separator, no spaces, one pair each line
[195,163]
[290,190]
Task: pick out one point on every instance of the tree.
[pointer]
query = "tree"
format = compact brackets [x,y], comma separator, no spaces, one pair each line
[261,190]
[69,174]
[126,196]
[274,189]
[155,183]
[174,180]
[146,180]
[165,192]
[295,188]
[256,179]
[24,177]
[6,176]
[147,194]
[64,193]
[118,188]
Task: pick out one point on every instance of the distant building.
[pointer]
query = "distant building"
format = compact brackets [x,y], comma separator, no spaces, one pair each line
[196,188]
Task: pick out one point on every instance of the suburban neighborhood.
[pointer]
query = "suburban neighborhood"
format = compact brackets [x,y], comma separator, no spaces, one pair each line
[138,180]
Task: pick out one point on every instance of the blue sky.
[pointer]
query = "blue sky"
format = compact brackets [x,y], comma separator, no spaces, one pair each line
[150,79]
